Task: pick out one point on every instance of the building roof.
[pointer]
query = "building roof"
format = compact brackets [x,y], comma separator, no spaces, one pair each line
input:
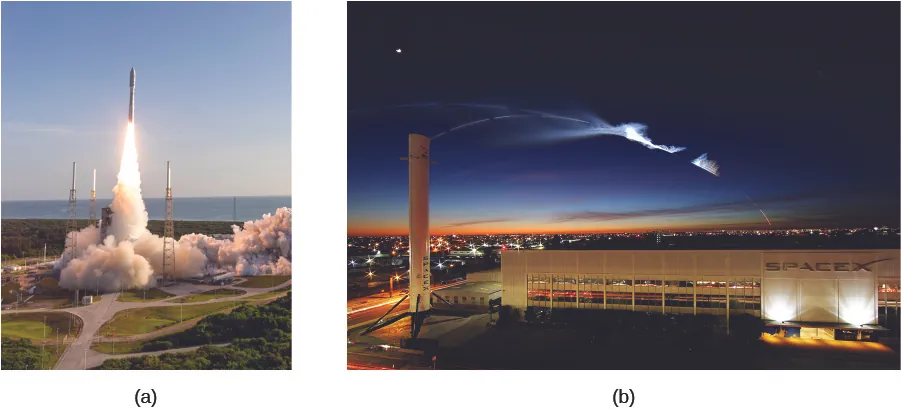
[686,251]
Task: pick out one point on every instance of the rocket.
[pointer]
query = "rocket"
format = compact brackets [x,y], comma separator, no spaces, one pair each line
[131,99]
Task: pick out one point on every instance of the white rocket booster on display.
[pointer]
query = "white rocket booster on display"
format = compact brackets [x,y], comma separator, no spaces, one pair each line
[420,273]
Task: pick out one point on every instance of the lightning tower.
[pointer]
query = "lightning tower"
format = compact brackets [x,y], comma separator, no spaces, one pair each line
[168,230]
[72,227]
[93,214]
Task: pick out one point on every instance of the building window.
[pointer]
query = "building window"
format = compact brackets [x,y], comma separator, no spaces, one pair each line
[482,300]
[711,301]
[711,284]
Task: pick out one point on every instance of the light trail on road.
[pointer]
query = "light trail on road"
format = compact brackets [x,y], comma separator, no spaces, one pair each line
[396,299]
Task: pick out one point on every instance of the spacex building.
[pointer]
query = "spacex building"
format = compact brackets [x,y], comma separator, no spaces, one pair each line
[808,293]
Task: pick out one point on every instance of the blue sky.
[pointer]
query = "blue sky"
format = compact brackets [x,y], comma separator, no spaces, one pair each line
[213,96]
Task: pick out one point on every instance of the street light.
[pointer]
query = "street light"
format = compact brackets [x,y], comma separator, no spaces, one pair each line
[391,284]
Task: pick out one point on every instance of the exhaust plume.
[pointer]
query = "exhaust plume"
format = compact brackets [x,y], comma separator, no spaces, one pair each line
[707,164]
[126,255]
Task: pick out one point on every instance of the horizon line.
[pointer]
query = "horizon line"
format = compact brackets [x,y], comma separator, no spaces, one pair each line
[624,232]
[173,198]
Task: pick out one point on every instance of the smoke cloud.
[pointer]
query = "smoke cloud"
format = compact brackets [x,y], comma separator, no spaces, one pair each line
[261,247]
[126,255]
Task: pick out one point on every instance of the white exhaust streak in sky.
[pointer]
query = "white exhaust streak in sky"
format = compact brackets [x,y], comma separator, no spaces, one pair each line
[707,164]
[635,133]
[595,127]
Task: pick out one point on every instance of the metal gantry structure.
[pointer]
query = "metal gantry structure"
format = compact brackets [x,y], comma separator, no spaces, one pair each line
[72,227]
[92,218]
[168,230]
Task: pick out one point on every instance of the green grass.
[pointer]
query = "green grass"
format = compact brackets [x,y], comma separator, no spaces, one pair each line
[21,261]
[118,348]
[31,325]
[153,294]
[65,302]
[265,281]
[270,294]
[209,295]
[145,320]
[132,347]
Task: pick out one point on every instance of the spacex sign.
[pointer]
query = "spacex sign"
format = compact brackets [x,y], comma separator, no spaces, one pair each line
[822,266]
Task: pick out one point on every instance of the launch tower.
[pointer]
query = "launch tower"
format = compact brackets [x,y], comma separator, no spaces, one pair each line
[72,227]
[93,212]
[106,219]
[168,230]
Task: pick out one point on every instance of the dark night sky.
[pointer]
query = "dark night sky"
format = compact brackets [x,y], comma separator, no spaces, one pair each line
[797,102]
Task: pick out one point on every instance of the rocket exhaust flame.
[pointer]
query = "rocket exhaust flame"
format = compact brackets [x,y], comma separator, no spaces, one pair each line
[758,208]
[128,256]
[130,215]
[767,218]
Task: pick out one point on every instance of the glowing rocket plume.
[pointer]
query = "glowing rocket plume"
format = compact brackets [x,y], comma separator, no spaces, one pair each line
[707,164]
[758,208]
[130,220]
[767,218]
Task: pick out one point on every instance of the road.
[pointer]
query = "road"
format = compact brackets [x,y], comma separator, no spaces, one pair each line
[95,315]
[97,359]
[364,316]
[364,310]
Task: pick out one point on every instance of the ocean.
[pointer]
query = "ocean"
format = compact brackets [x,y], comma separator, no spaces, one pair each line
[187,208]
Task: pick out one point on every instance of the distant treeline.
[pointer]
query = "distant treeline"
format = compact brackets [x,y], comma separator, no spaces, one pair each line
[26,237]
[259,337]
